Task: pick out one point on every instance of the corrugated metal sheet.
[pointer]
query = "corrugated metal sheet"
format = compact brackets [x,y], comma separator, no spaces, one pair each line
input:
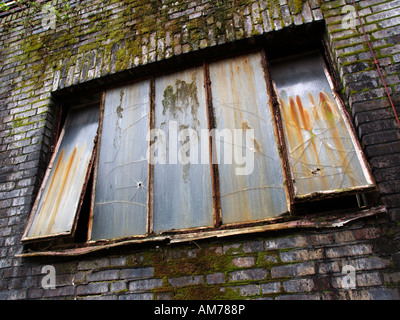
[183,191]
[241,101]
[322,152]
[120,207]
[56,206]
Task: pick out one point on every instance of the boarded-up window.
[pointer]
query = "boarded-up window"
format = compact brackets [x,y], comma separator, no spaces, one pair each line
[228,144]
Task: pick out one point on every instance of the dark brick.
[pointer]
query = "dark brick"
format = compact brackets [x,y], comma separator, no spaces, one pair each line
[365,106]
[145,284]
[137,273]
[92,288]
[185,281]
[382,149]
[250,274]
[377,126]
[300,285]
[389,187]
[374,115]
[215,278]
[293,270]
[386,161]
[380,137]
[103,275]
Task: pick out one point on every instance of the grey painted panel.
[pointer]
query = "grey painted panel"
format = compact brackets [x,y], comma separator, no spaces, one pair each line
[120,208]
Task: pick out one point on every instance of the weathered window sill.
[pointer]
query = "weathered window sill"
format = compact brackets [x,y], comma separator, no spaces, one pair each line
[310,222]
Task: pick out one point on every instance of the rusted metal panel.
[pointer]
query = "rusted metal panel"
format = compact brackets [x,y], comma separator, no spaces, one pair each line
[55,210]
[241,102]
[323,153]
[122,180]
[182,184]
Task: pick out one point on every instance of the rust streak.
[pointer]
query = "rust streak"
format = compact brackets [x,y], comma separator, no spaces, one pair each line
[61,179]
[50,195]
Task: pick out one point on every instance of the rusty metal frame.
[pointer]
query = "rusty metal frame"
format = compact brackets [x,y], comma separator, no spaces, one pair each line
[279,132]
[150,194]
[96,165]
[214,167]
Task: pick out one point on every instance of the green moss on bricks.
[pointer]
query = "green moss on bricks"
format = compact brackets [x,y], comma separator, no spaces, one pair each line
[296,6]
[200,293]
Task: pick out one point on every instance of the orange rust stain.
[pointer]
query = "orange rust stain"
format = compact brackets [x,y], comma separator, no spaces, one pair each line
[51,193]
[305,117]
[257,146]
[297,118]
[62,179]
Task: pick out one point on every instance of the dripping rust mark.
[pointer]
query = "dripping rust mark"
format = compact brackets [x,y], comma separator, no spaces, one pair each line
[320,118]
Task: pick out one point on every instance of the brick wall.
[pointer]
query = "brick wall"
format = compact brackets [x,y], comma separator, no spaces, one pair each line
[100,42]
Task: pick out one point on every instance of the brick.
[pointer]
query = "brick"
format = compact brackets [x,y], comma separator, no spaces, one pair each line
[380,137]
[103,275]
[380,114]
[345,236]
[247,290]
[137,296]
[383,149]
[392,278]
[299,297]
[215,278]
[301,255]
[59,292]
[389,187]
[253,246]
[368,279]
[383,294]
[145,285]
[251,274]
[271,287]
[385,6]
[92,288]
[285,243]
[186,281]
[386,161]
[137,273]
[349,251]
[243,262]
[293,270]
[366,233]
[370,263]
[329,267]
[322,239]
[300,285]
[93,264]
